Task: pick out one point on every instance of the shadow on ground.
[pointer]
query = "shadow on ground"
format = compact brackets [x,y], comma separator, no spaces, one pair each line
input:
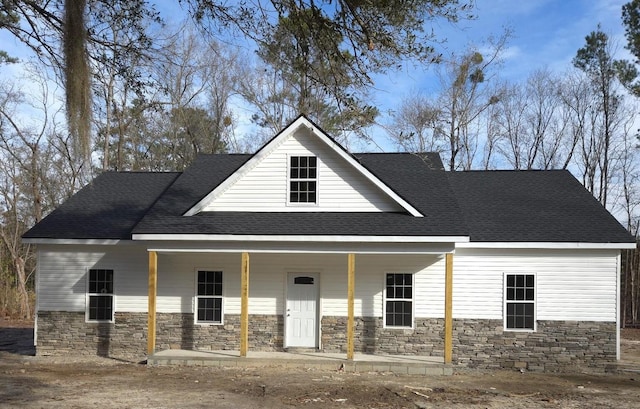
[17,341]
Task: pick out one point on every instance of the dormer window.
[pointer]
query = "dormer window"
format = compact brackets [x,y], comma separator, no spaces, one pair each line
[303,173]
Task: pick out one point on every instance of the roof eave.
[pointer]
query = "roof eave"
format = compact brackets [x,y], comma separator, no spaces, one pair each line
[94,241]
[299,238]
[550,245]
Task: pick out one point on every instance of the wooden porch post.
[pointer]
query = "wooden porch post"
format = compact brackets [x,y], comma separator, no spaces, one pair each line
[448,308]
[351,282]
[153,289]
[244,305]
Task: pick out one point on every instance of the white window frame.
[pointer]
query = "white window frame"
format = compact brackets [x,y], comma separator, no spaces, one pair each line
[197,297]
[290,179]
[100,294]
[534,302]
[385,299]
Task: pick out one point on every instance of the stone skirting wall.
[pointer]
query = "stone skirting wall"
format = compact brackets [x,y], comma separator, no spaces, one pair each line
[370,336]
[61,333]
[178,331]
[555,346]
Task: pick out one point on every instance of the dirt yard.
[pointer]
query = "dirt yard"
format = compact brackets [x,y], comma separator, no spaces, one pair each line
[73,382]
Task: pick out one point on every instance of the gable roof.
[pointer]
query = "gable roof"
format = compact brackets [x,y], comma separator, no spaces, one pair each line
[275,142]
[106,208]
[481,206]
[533,206]
[403,171]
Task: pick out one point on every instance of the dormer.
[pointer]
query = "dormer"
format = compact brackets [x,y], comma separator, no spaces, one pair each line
[302,170]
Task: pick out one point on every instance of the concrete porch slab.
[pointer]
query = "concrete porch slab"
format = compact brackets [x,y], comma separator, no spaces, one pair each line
[400,364]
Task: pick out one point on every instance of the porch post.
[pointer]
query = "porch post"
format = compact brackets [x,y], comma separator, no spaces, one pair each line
[351,282]
[448,308]
[244,305]
[153,289]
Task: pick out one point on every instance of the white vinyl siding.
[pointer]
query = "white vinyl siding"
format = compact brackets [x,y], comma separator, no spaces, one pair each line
[267,275]
[62,282]
[62,276]
[177,280]
[340,187]
[572,285]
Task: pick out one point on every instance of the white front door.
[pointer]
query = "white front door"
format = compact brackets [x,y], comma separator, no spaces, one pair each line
[301,314]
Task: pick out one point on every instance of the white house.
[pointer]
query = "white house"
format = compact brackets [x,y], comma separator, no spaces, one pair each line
[305,245]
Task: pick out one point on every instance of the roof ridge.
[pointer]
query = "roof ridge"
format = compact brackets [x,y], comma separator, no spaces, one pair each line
[139,172]
[507,171]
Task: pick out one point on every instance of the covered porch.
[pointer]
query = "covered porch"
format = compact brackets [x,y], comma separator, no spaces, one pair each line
[353,270]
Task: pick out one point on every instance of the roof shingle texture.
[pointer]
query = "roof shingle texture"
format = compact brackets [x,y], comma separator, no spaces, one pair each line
[536,206]
[106,208]
[408,175]
[533,206]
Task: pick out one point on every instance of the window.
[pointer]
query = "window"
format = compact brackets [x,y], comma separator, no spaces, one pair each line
[303,179]
[399,301]
[520,301]
[100,295]
[209,297]
[303,280]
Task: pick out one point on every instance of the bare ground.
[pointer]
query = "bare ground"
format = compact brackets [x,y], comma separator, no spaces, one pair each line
[79,382]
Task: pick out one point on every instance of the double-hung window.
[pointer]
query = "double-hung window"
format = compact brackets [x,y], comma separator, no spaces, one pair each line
[303,179]
[520,302]
[209,297]
[399,300]
[100,295]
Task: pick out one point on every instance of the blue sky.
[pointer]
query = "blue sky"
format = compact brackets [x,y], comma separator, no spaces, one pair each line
[546,33]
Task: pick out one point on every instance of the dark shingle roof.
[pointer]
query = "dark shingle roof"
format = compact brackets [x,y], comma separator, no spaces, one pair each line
[204,174]
[402,172]
[107,208]
[507,206]
[533,206]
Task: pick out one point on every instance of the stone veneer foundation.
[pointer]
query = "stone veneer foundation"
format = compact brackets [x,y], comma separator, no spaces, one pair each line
[555,346]
[483,344]
[62,333]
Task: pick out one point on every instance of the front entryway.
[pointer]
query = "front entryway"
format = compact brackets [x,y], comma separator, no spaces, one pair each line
[301,313]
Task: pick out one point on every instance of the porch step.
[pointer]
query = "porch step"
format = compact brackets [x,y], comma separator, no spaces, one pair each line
[395,364]
[301,350]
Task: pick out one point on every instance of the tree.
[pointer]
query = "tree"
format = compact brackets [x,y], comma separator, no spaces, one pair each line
[67,35]
[193,99]
[77,77]
[375,34]
[34,178]
[360,37]
[8,17]
[121,80]
[529,126]
[627,71]
[311,82]
[596,61]
[416,125]
[454,115]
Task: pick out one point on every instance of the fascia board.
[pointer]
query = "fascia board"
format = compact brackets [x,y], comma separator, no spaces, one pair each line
[545,245]
[300,238]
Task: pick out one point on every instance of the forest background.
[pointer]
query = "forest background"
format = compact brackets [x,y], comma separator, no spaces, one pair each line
[124,85]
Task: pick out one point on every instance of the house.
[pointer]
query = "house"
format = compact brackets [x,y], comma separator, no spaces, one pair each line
[304,245]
